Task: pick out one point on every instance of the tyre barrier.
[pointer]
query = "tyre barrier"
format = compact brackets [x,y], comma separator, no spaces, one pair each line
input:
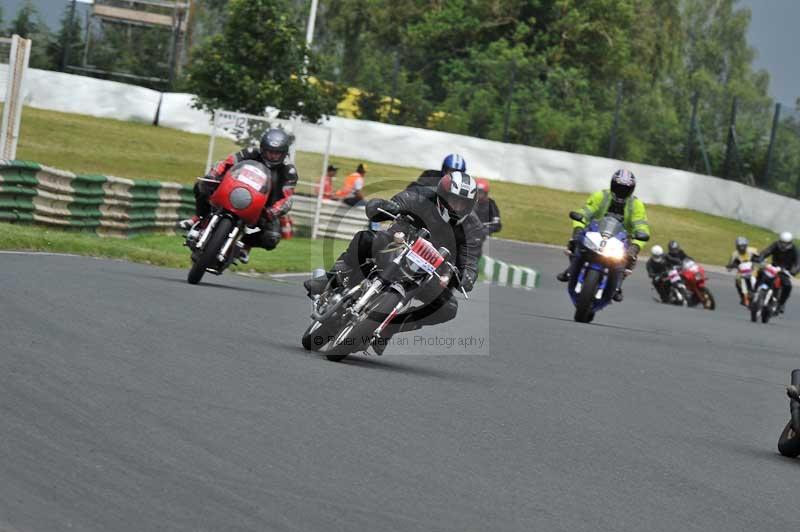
[114,206]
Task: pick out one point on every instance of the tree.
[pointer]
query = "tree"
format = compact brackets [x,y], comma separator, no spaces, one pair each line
[28,24]
[70,36]
[259,60]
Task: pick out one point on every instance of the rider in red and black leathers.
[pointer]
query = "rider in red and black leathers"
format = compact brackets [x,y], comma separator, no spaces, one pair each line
[784,254]
[274,153]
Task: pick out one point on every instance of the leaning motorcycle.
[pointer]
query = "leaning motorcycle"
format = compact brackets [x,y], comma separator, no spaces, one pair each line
[671,284]
[695,279]
[599,264]
[347,318]
[767,293]
[236,206]
[789,441]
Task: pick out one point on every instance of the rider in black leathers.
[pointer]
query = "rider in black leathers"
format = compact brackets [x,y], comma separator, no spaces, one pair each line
[784,254]
[675,255]
[657,269]
[453,226]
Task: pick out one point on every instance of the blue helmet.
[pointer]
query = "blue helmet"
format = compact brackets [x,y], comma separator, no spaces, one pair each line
[454,162]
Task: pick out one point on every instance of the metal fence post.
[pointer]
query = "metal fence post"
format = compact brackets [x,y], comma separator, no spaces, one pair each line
[321,191]
[692,128]
[730,143]
[775,122]
[612,144]
[508,100]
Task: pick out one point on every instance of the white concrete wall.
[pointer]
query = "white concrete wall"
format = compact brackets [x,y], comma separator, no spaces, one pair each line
[407,146]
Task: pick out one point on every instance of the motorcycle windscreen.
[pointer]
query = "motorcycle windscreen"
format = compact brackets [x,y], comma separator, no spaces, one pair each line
[610,226]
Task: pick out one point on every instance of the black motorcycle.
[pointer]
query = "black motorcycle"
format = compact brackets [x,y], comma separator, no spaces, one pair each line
[789,441]
[347,318]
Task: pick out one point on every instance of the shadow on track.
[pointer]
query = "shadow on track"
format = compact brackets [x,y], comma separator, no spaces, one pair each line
[234,288]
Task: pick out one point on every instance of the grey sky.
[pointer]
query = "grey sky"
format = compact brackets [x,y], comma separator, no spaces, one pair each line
[773,33]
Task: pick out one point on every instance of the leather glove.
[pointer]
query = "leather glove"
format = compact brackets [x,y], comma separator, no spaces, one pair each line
[467,280]
[633,255]
[271,213]
[391,206]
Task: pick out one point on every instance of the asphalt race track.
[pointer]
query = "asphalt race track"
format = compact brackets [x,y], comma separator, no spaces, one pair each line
[132,401]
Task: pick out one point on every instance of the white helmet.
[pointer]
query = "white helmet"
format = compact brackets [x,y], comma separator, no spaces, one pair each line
[785,240]
[657,252]
[457,194]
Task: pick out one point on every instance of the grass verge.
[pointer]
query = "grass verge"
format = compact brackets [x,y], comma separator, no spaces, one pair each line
[294,255]
[135,150]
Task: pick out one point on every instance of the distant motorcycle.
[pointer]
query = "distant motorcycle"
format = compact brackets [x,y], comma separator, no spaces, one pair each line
[236,206]
[694,277]
[746,280]
[348,318]
[671,289]
[789,440]
[601,255]
[767,293]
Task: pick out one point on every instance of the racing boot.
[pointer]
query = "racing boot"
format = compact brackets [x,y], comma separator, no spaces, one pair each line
[618,295]
[320,278]
[188,223]
[563,276]
[244,254]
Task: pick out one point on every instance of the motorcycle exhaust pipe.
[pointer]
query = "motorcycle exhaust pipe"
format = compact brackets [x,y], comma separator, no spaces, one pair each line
[794,405]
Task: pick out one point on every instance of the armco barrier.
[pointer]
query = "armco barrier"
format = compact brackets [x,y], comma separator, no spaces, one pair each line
[113,206]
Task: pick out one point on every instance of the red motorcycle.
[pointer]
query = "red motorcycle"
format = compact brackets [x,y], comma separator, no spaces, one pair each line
[767,293]
[694,277]
[236,206]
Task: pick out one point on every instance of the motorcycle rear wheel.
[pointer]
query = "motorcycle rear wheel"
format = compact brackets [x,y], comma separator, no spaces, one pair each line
[209,255]
[351,339]
[789,442]
[583,307]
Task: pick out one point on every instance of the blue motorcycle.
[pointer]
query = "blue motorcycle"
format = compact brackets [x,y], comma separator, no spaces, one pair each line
[598,264]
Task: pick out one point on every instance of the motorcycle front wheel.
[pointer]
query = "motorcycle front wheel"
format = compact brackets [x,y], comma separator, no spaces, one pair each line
[356,336]
[756,305]
[708,300]
[208,255]
[316,336]
[583,307]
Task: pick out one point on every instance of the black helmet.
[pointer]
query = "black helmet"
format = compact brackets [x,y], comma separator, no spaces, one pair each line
[622,184]
[274,146]
[673,247]
[457,194]
[741,244]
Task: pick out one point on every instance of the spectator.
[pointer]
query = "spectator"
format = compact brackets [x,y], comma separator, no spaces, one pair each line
[327,180]
[351,192]
[486,208]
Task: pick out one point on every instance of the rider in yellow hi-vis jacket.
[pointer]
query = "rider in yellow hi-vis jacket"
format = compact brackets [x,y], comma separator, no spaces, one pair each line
[618,199]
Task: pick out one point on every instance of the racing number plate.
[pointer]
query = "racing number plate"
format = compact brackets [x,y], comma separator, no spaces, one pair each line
[424,255]
[252,176]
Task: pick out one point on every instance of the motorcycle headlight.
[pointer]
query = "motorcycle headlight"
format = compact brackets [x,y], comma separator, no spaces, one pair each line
[589,243]
[240,198]
[614,250]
